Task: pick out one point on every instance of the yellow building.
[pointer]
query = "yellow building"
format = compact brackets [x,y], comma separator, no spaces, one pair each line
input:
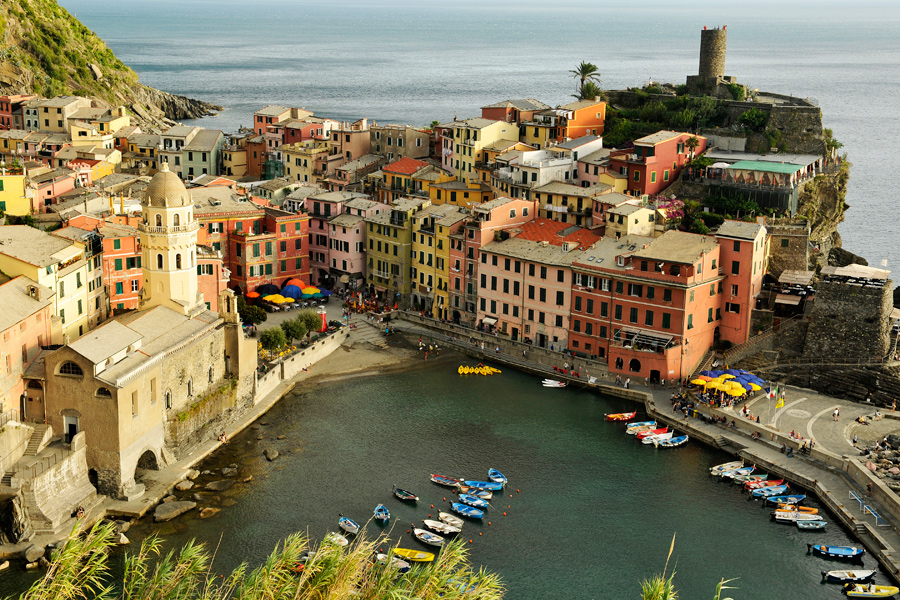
[14,197]
[568,203]
[304,161]
[234,161]
[469,139]
[12,143]
[54,113]
[389,251]
[460,193]
[432,227]
[53,262]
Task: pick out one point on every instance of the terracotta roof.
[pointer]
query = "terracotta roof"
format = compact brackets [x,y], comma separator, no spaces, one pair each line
[557,232]
[405,166]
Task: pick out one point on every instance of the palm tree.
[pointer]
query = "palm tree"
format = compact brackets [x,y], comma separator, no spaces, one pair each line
[692,142]
[588,91]
[586,72]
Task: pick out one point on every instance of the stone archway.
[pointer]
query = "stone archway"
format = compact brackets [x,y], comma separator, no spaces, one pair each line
[634,365]
[147,462]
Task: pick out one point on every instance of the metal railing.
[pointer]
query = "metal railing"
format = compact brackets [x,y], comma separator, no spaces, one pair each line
[10,415]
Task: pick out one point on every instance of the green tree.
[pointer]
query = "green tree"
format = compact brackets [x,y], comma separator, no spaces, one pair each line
[250,315]
[830,142]
[310,319]
[754,119]
[692,143]
[273,339]
[585,72]
[294,329]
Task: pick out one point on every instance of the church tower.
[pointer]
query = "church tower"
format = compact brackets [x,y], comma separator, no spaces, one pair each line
[169,245]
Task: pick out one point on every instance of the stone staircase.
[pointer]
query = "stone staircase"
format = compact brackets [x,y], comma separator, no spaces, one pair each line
[6,479]
[368,332]
[39,439]
[720,441]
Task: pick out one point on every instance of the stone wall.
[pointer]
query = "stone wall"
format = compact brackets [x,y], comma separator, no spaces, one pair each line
[204,419]
[14,438]
[712,52]
[788,248]
[849,323]
[299,361]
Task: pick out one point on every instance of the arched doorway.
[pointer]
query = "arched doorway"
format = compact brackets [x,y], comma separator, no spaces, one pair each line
[456,317]
[634,365]
[619,363]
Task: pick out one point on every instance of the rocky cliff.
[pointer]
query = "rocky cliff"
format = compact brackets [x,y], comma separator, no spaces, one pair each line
[45,50]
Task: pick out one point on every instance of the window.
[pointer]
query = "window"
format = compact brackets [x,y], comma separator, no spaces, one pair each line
[618,313]
[652,176]
[103,392]
[530,291]
[735,267]
[637,175]
[651,293]
[712,289]
[134,403]
[560,296]
[190,387]
[560,276]
[604,309]
[733,307]
[785,242]
[559,321]
[168,398]
[619,287]
[635,290]
[62,289]
[118,264]
[648,318]
[692,296]
[709,316]
[119,288]
[159,260]
[70,368]
[737,246]
[734,290]
[543,272]
[690,324]
[666,175]
[633,315]
[578,303]
[666,321]
[542,295]
[117,245]
[178,261]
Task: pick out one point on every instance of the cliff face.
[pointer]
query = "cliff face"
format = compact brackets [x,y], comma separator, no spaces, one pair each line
[45,50]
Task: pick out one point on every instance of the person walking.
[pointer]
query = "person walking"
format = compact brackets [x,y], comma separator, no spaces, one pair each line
[893,405]
[834,415]
[855,439]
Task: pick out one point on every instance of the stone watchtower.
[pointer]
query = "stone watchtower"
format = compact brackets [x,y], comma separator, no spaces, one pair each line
[711,78]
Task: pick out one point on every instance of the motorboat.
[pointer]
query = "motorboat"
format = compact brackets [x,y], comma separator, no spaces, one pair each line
[765,492]
[844,552]
[791,516]
[337,539]
[620,416]
[473,501]
[441,527]
[405,495]
[811,525]
[426,537]
[870,590]
[789,499]
[401,566]
[348,525]
[450,519]
[496,476]
[552,383]
[660,436]
[478,493]
[657,431]
[800,509]
[632,426]
[484,485]
[724,467]
[671,442]
[852,576]
[755,485]
[738,472]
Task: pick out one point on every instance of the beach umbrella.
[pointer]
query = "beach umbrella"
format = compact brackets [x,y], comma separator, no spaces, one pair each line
[298,282]
[276,298]
[306,296]
[699,381]
[735,392]
[291,291]
[326,292]
[727,376]
[743,372]
[705,378]
[317,295]
[755,387]
[253,295]
[268,289]
[714,385]
[734,372]
[310,290]
[738,387]
[715,373]
[707,373]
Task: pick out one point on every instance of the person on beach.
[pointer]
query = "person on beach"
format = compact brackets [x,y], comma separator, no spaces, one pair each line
[834,415]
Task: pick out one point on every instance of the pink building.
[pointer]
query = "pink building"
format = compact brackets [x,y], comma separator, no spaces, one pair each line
[321,209]
[347,241]
[743,252]
[525,282]
[50,185]
[212,276]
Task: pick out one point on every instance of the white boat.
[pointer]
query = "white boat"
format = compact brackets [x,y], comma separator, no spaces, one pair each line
[426,537]
[657,438]
[791,516]
[398,565]
[552,383]
[336,538]
[450,519]
[725,467]
[441,527]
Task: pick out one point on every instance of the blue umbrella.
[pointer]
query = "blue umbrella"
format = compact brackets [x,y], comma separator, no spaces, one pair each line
[326,292]
[707,373]
[732,372]
[291,291]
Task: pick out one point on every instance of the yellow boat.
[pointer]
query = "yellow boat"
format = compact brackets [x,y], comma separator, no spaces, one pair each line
[870,590]
[414,555]
[460,370]
[793,508]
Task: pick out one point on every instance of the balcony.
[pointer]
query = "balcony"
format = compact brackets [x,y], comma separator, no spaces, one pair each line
[169,230]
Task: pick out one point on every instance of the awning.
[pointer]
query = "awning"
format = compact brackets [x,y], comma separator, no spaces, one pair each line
[489,321]
[787,299]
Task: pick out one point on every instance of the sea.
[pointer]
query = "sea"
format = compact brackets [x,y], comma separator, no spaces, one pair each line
[589,512]
[417,61]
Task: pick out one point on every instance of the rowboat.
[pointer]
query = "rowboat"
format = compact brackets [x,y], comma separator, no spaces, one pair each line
[801,509]
[473,501]
[382,513]
[552,383]
[426,537]
[672,442]
[755,485]
[466,510]
[442,480]
[742,479]
[809,525]
[336,538]
[630,428]
[870,590]
[657,431]
[729,466]
[414,555]
[478,493]
[450,519]
[484,485]
[441,527]
[860,576]
[641,429]
[791,499]
[620,416]
[773,490]
[845,552]
[660,437]
[790,516]
[738,472]
[401,566]
[404,495]
[496,476]
[348,525]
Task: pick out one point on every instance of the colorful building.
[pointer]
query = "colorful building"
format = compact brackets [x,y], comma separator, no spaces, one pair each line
[321,208]
[389,252]
[432,227]
[15,196]
[469,139]
[656,160]
[347,241]
[399,141]
[513,111]
[567,202]
[744,252]
[202,155]
[11,116]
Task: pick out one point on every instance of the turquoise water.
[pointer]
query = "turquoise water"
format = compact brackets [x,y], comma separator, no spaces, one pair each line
[592,511]
[414,62]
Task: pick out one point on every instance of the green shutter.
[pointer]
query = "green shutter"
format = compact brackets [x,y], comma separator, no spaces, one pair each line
[119,288]
[118,264]
[117,244]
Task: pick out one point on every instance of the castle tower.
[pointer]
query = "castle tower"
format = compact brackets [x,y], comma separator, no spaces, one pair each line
[169,245]
[712,52]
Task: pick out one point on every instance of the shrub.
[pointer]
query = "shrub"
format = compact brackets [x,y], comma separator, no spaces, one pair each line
[273,339]
[754,119]
[294,329]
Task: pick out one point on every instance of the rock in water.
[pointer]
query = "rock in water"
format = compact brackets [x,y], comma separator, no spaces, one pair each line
[122,540]
[170,498]
[247,479]
[193,474]
[122,526]
[229,472]
[271,454]
[4,565]
[170,510]
[280,437]
[183,486]
[32,553]
[208,512]
[219,486]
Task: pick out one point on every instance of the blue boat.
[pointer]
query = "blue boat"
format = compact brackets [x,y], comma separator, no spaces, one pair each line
[348,525]
[473,501]
[382,513]
[639,424]
[496,476]
[844,552]
[671,442]
[772,490]
[789,499]
[484,485]
[736,472]
[466,510]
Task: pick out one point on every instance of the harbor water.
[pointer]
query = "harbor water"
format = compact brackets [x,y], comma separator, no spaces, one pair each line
[589,509]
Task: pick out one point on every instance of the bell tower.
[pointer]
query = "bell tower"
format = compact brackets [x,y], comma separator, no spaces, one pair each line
[169,245]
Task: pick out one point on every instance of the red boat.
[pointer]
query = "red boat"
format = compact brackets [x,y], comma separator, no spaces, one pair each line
[442,480]
[621,416]
[644,434]
[755,485]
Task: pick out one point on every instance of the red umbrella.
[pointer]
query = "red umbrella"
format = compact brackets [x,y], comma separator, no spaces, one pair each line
[298,282]
[253,295]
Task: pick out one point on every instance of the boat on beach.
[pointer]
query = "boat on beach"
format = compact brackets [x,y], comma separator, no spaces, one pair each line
[414,555]
[473,501]
[620,416]
[496,476]
[348,525]
[441,527]
[870,590]
[405,495]
[492,486]
[725,467]
[811,525]
[466,510]
[450,519]
[382,514]
[842,552]
[852,576]
[650,439]
[443,480]
[426,537]
[671,442]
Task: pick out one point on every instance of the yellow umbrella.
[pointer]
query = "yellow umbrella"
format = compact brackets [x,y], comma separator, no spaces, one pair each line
[714,385]
[735,392]
[726,376]
[276,298]
[754,387]
[698,382]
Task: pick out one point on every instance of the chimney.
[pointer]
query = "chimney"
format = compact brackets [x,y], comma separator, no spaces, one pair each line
[34,292]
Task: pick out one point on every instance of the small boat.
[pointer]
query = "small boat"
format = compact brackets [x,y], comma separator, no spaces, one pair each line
[442,480]
[450,519]
[742,479]
[657,431]
[738,472]
[790,516]
[382,514]
[414,555]
[630,427]
[621,416]
[496,476]
[641,429]
[860,576]
[466,510]
[800,509]
[348,525]
[671,442]
[765,492]
[401,566]
[336,538]
[550,383]
[441,527]
[870,590]
[810,525]
[484,485]
[426,537]
[729,466]
[404,495]
[755,485]
[473,501]
[845,552]
[790,499]
[660,436]
[478,493]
